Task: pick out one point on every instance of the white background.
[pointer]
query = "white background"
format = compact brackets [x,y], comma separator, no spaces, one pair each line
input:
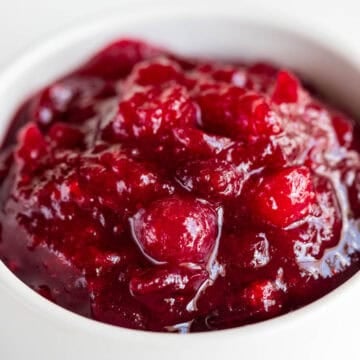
[24,23]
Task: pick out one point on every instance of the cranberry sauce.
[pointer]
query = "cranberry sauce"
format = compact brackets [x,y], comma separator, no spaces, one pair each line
[154,192]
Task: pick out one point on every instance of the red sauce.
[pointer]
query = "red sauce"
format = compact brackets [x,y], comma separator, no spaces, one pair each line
[169,194]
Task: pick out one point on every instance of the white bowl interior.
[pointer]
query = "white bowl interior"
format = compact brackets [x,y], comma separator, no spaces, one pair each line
[219,37]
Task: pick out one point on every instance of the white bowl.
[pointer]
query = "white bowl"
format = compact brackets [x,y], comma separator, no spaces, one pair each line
[34,328]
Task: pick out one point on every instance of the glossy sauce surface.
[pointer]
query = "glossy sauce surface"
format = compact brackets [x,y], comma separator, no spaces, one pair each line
[160,193]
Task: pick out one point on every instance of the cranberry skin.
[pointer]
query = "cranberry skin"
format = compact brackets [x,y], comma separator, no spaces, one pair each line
[287,88]
[148,113]
[188,234]
[117,60]
[213,179]
[284,197]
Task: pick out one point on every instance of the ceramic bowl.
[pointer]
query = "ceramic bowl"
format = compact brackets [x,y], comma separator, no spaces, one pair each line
[33,328]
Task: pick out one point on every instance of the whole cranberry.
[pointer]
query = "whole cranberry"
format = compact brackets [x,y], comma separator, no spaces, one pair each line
[176,230]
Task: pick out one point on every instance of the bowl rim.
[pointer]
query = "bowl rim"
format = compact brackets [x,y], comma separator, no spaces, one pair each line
[16,288]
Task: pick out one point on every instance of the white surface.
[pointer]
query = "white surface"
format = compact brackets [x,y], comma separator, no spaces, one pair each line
[31,327]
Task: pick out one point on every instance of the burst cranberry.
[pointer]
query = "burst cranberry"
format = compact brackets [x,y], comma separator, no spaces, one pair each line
[344,129]
[33,146]
[263,298]
[168,290]
[251,157]
[66,136]
[155,72]
[233,112]
[212,178]
[188,234]
[150,112]
[286,89]
[119,182]
[284,197]
[191,144]
[69,100]
[118,59]
[208,73]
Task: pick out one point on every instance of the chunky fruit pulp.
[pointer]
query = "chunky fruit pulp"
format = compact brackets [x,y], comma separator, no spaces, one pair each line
[155,192]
